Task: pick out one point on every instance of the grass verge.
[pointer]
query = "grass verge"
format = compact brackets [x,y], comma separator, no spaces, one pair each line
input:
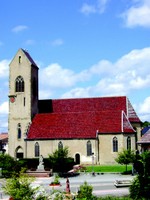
[109,168]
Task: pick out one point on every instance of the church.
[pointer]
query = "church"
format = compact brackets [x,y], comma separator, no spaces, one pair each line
[93,129]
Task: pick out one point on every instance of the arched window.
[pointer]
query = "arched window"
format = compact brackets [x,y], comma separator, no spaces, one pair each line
[89,148]
[19,87]
[37,149]
[60,145]
[129,142]
[115,144]
[19,131]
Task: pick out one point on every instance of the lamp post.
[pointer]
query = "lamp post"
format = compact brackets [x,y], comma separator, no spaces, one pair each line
[93,173]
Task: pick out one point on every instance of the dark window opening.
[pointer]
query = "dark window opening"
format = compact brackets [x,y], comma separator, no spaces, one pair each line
[37,149]
[115,144]
[129,143]
[19,84]
[24,101]
[19,59]
[19,131]
[89,148]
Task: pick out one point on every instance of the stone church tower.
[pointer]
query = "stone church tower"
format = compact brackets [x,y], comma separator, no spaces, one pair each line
[23,101]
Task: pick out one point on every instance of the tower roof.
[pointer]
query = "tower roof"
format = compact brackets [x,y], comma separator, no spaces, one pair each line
[29,58]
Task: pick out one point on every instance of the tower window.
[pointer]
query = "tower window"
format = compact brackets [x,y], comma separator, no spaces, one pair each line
[19,59]
[115,144]
[89,148]
[19,131]
[19,84]
[37,149]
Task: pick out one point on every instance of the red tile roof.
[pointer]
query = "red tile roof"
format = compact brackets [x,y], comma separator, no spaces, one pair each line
[3,136]
[81,118]
[96,104]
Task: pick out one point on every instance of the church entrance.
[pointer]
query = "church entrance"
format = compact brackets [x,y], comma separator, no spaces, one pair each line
[19,152]
[77,158]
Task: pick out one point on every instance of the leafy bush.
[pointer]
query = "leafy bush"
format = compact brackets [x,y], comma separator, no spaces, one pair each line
[140,188]
[85,192]
[57,195]
[32,163]
[19,188]
[56,180]
[141,184]
[10,167]
[60,161]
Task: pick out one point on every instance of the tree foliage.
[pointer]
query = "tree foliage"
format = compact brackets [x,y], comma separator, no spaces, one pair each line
[85,192]
[60,160]
[141,184]
[19,188]
[125,157]
[145,124]
[9,165]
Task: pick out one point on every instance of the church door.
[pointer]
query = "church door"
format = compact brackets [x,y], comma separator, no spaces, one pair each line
[19,152]
[77,158]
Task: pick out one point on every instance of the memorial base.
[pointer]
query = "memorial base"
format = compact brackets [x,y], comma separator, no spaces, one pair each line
[39,173]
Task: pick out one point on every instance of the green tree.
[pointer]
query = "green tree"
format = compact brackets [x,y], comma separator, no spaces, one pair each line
[125,157]
[145,124]
[60,160]
[9,165]
[141,184]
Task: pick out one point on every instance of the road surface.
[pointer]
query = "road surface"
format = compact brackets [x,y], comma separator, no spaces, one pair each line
[103,184]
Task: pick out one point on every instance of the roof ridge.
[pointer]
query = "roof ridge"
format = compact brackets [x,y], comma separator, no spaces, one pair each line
[127,120]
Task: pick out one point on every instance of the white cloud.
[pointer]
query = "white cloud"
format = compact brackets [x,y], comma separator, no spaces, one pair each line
[103,67]
[144,109]
[98,7]
[4,116]
[129,73]
[88,9]
[19,28]
[57,77]
[101,5]
[4,108]
[145,106]
[57,42]
[4,68]
[138,14]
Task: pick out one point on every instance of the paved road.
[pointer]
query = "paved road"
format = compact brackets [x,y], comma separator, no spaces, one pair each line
[103,185]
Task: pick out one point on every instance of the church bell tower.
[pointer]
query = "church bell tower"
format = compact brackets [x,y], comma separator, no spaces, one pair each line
[23,101]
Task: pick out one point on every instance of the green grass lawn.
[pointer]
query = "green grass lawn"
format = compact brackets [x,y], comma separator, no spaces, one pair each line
[109,168]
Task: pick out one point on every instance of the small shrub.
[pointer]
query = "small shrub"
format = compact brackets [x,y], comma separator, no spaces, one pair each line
[19,188]
[56,180]
[85,192]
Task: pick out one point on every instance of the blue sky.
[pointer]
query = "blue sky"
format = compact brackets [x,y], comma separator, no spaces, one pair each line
[84,48]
